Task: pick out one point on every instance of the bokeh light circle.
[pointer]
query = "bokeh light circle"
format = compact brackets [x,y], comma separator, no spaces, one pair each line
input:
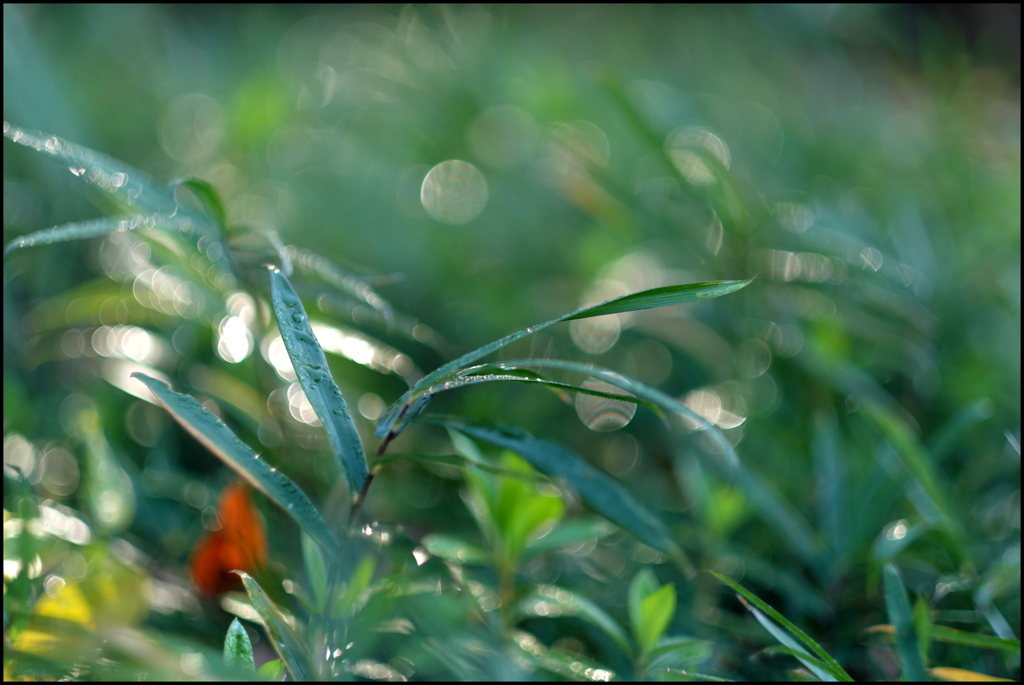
[454,192]
[601,413]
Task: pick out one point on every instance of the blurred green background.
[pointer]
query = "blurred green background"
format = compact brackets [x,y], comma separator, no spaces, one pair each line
[492,167]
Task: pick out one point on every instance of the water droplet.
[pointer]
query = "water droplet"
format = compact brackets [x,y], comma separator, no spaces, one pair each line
[297,318]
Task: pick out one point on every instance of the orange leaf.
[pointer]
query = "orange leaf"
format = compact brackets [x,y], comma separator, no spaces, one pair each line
[240,544]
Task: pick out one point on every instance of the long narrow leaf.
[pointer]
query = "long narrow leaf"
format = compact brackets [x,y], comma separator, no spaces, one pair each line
[516,376]
[132,189]
[549,601]
[601,492]
[901,617]
[784,622]
[284,640]
[128,185]
[961,637]
[792,647]
[656,297]
[215,435]
[640,390]
[355,286]
[315,377]
[919,465]
[81,230]
[661,297]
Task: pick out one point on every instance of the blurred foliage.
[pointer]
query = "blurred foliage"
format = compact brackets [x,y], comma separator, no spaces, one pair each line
[468,170]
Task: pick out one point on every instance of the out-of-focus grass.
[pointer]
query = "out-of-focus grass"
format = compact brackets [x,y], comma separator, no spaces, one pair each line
[868,379]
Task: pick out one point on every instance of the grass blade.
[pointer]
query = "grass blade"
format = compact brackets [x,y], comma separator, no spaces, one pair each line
[315,377]
[838,671]
[919,465]
[81,230]
[208,195]
[221,440]
[902,619]
[549,600]
[792,647]
[349,283]
[525,376]
[600,491]
[286,643]
[133,190]
[962,637]
[661,297]
[656,297]
[129,186]
[640,390]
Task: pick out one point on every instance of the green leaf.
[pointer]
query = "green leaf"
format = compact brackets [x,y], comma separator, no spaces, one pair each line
[391,421]
[961,637]
[643,584]
[521,511]
[656,612]
[316,380]
[453,460]
[316,571]
[455,549]
[551,601]
[834,667]
[678,652]
[599,491]
[661,297]
[355,595]
[472,376]
[272,670]
[215,435]
[208,195]
[238,648]
[129,186]
[790,646]
[638,389]
[284,640]
[81,230]
[910,451]
[902,619]
[351,284]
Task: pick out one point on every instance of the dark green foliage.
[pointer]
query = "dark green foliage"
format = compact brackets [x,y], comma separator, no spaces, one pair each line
[803,224]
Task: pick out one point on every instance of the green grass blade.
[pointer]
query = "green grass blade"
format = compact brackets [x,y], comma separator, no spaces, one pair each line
[961,637]
[638,389]
[340,278]
[284,640]
[238,648]
[919,465]
[784,622]
[661,297]
[133,190]
[793,648]
[902,619]
[456,460]
[208,195]
[601,492]
[656,297]
[215,435]
[519,376]
[81,230]
[127,185]
[315,377]
[549,601]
